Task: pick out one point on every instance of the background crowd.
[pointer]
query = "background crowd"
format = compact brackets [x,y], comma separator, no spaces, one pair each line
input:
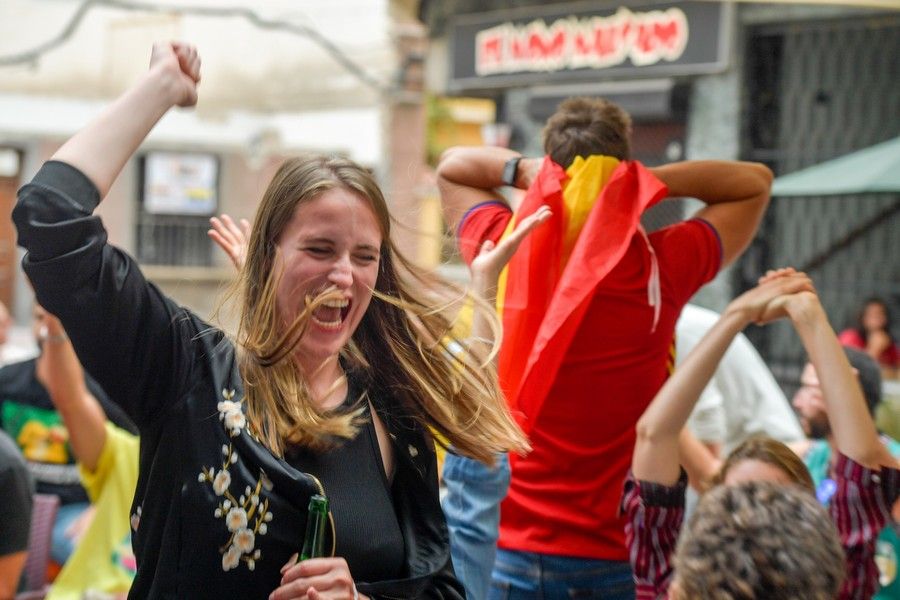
[346,369]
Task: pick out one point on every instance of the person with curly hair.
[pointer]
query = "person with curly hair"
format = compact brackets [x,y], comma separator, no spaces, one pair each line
[761,540]
[866,477]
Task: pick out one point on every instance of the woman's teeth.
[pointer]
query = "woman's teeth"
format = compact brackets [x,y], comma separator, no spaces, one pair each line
[326,324]
[331,314]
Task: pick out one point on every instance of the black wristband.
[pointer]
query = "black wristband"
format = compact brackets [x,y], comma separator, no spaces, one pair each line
[510,170]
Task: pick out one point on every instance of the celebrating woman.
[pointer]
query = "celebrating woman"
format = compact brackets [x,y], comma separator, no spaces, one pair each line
[339,371]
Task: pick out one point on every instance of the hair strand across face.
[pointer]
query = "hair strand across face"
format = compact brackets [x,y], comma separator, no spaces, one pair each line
[401,348]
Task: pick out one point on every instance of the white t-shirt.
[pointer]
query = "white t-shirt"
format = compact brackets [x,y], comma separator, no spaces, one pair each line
[742,398]
[20,346]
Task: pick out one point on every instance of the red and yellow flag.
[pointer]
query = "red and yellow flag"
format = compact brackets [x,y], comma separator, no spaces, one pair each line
[546,288]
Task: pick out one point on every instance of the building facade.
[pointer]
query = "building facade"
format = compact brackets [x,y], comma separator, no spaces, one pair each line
[340,78]
[786,85]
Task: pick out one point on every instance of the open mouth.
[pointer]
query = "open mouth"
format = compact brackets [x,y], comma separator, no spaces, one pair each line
[331,314]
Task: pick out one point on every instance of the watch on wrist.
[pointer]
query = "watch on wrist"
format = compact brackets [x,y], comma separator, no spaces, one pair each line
[511,170]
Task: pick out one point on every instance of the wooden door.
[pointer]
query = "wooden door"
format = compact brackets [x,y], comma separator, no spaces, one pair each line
[8,187]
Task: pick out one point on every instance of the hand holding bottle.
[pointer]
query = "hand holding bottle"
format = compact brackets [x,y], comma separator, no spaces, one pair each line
[316,579]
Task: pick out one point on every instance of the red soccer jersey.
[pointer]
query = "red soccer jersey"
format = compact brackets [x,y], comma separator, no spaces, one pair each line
[564,495]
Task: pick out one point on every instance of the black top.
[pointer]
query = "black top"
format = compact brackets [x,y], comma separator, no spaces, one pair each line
[368,533]
[28,415]
[15,510]
[219,515]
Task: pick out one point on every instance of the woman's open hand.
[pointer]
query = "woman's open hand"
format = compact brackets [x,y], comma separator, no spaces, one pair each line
[231,237]
[487,266]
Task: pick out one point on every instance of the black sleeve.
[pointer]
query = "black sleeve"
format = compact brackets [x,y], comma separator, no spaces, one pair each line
[113,411]
[15,510]
[132,339]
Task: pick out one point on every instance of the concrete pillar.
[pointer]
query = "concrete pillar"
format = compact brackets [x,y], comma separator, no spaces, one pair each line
[405,137]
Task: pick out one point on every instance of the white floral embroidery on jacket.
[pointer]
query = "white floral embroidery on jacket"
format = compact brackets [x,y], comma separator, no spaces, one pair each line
[231,413]
[248,515]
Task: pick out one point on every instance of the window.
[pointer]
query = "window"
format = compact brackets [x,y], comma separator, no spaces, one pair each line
[178,194]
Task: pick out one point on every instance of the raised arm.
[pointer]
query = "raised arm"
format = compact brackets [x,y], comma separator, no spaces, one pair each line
[656,451]
[468,176]
[137,343]
[736,194]
[61,374]
[102,148]
[851,422]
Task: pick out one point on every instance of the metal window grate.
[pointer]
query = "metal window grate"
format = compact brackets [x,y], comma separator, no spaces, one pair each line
[175,240]
[815,91]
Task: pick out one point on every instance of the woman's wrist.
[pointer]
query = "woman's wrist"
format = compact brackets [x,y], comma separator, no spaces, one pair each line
[485,287]
[738,315]
[164,85]
[46,335]
[804,307]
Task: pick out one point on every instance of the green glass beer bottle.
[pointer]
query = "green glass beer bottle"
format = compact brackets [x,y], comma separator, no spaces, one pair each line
[316,522]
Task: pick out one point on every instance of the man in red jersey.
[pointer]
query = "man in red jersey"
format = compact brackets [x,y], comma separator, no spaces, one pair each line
[589,305]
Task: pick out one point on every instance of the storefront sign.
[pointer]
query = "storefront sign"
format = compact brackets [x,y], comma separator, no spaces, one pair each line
[574,42]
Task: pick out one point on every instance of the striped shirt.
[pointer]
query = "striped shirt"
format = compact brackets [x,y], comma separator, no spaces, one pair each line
[860,507]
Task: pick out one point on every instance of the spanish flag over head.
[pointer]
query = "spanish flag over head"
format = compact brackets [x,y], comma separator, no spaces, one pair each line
[545,289]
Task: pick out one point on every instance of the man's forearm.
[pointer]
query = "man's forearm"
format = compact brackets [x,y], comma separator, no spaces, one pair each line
[468,176]
[715,181]
[81,412]
[854,431]
[475,166]
[736,194]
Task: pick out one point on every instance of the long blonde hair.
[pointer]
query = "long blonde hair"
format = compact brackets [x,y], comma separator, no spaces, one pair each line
[404,344]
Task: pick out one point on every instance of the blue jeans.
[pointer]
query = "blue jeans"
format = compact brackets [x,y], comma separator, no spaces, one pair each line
[530,576]
[472,509]
[61,545]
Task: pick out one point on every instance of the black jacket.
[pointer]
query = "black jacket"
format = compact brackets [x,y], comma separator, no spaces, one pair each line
[200,533]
